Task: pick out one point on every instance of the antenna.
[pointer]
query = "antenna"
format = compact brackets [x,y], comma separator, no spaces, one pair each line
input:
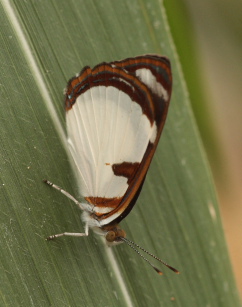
[133,245]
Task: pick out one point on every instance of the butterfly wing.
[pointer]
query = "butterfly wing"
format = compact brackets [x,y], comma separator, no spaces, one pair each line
[115,113]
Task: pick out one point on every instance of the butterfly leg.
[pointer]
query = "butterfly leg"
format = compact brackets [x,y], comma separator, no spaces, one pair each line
[71,234]
[65,193]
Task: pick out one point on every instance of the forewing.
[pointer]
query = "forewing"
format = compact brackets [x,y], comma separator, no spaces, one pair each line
[115,114]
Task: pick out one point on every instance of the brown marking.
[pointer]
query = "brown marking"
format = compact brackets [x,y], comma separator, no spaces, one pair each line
[126,169]
[98,215]
[107,163]
[104,202]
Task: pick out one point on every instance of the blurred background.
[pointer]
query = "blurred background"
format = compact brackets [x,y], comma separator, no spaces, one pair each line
[211,42]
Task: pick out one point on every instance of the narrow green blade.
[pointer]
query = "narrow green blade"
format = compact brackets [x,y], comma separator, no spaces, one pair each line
[43,44]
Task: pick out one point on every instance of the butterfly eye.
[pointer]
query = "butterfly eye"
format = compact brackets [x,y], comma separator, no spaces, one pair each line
[110,236]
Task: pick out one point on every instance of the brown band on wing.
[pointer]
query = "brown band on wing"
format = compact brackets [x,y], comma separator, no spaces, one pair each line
[102,202]
[126,169]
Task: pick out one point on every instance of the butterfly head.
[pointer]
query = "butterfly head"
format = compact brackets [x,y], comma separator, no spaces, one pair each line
[114,235]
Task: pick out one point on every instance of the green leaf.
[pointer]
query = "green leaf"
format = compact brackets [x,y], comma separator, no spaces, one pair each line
[43,44]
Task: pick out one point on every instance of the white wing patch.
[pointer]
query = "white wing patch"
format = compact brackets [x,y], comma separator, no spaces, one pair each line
[106,127]
[146,76]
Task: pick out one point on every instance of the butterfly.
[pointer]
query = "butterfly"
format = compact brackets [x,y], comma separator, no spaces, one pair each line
[115,113]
